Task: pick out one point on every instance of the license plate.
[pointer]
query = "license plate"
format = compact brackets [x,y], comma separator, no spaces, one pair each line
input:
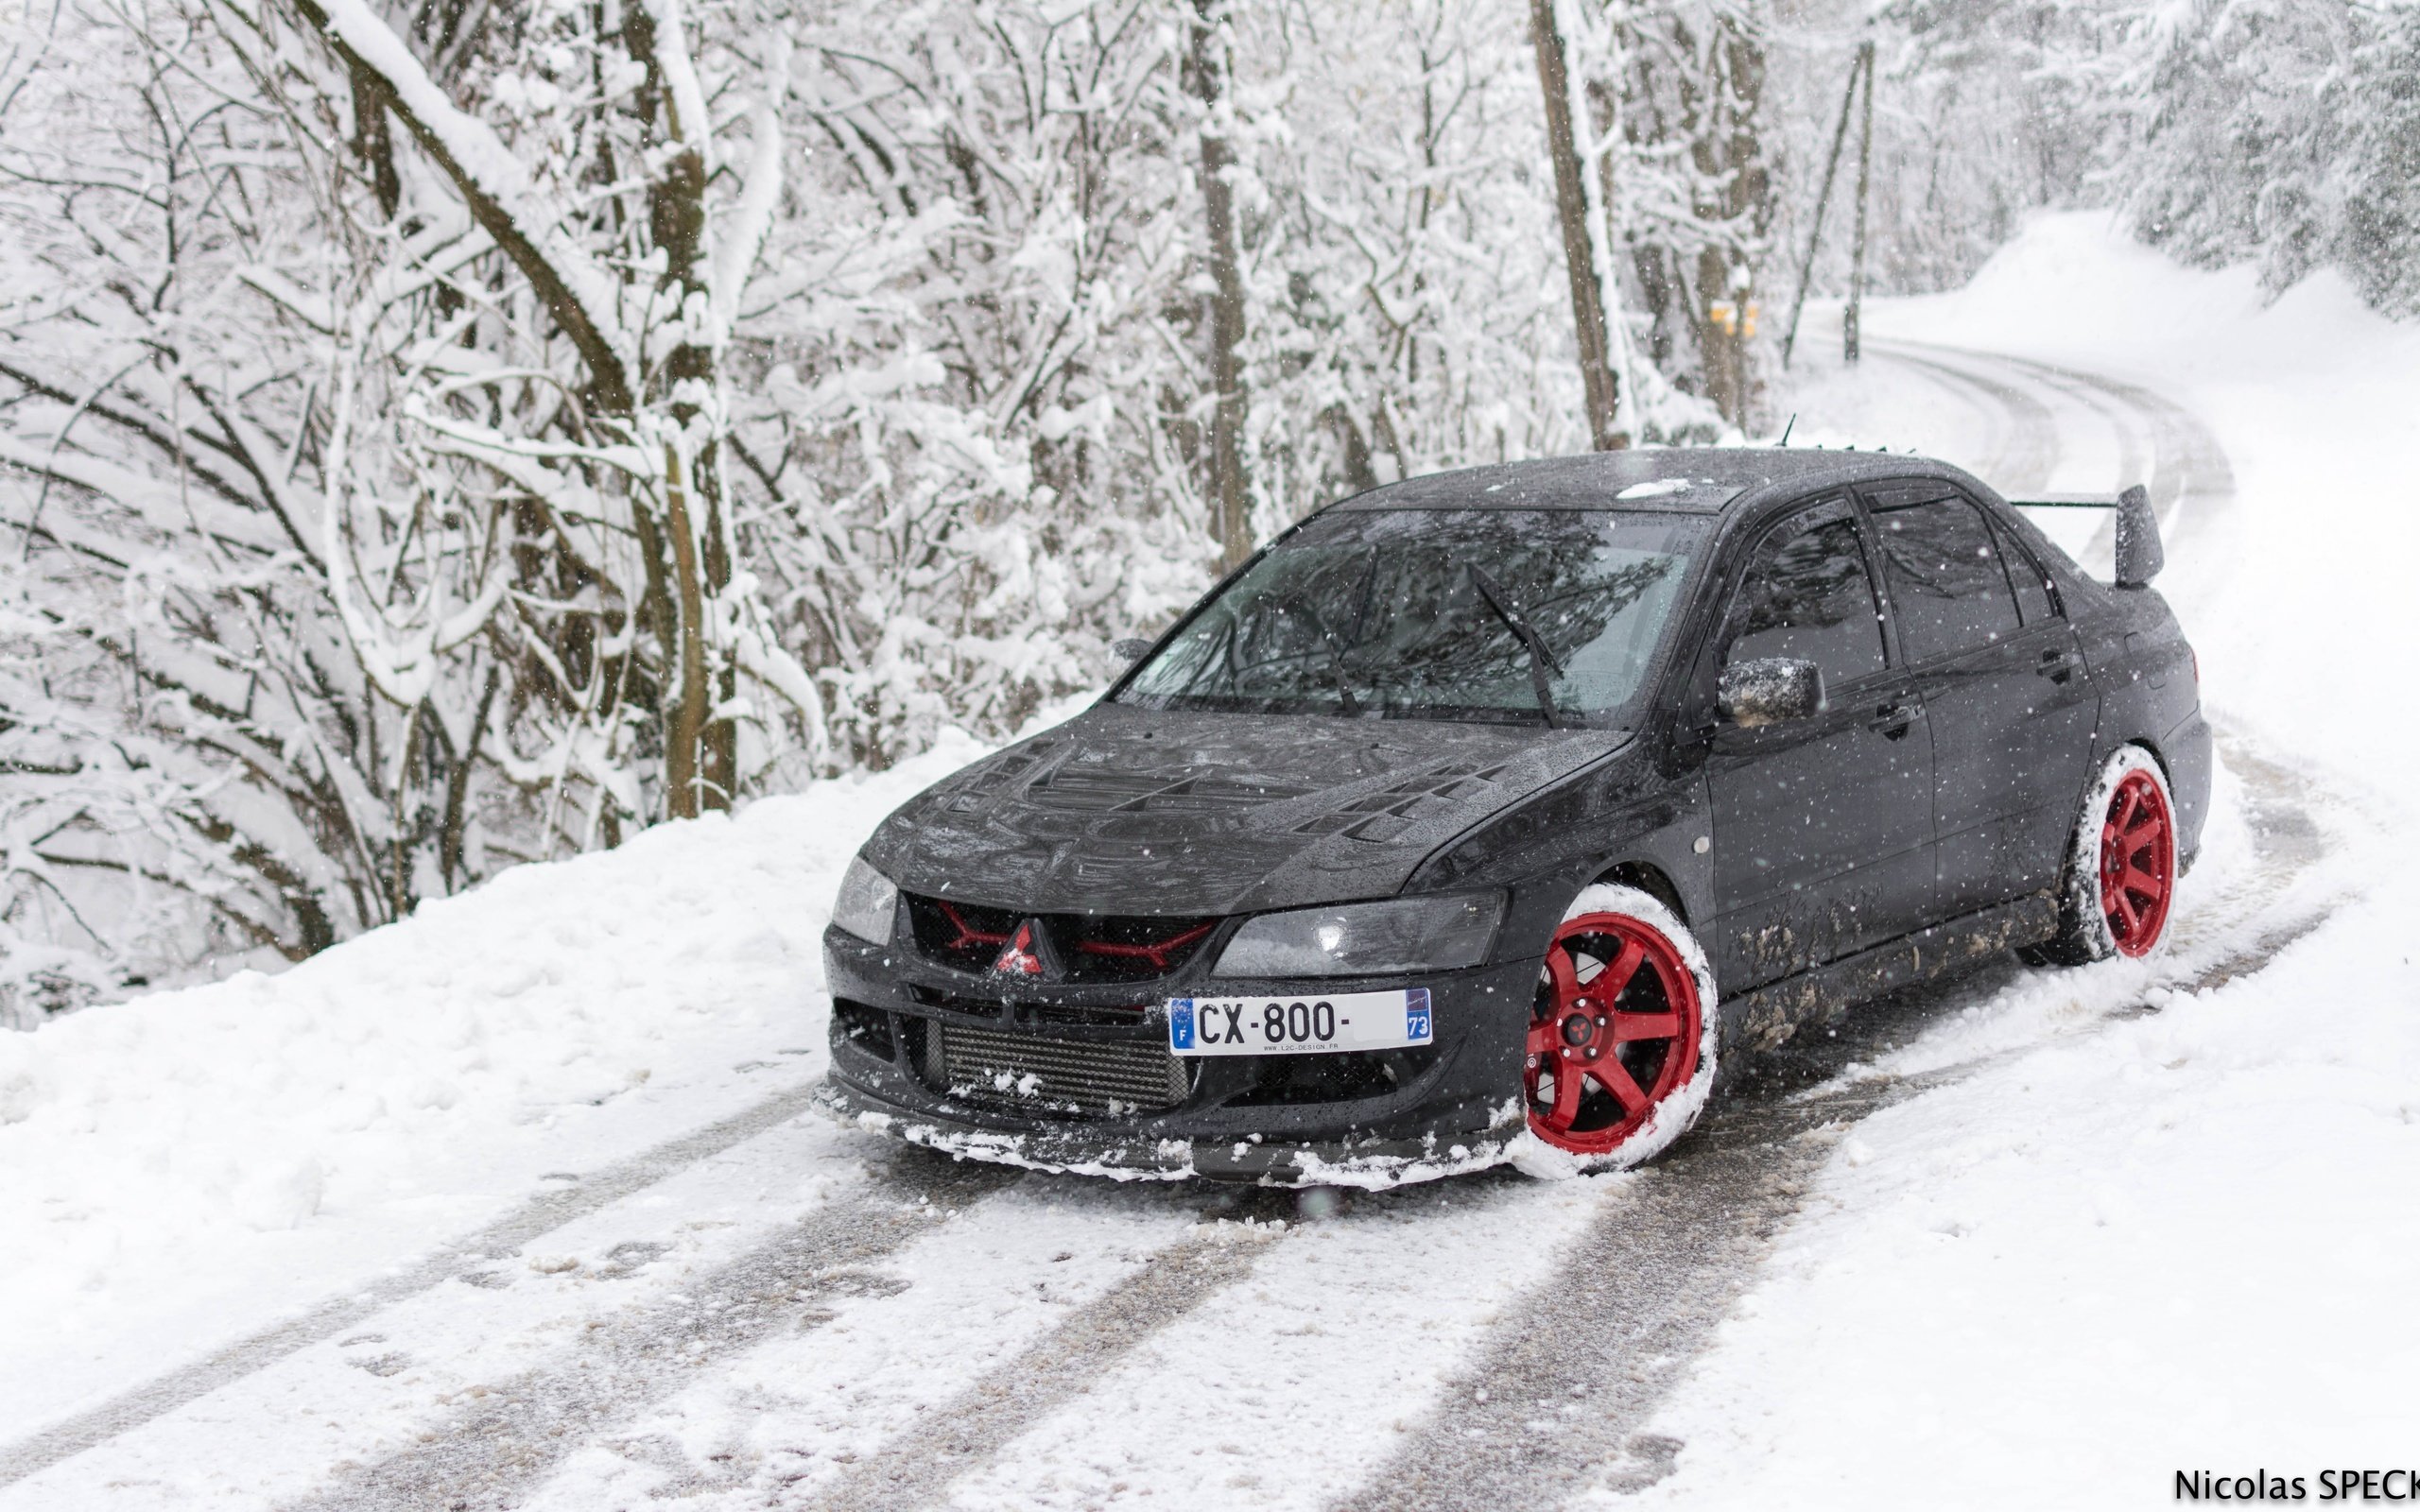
[1299,1026]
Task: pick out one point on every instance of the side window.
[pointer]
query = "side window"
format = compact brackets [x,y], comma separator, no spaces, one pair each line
[2025,575]
[1942,565]
[1807,594]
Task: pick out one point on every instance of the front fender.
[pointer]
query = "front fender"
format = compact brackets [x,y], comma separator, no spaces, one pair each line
[1545,847]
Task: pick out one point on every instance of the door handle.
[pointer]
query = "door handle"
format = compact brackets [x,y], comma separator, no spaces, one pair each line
[1894,719]
[2058,664]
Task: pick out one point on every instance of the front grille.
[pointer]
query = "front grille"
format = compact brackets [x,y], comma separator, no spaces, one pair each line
[962,934]
[1031,1071]
[1087,948]
[1014,1011]
[1077,1013]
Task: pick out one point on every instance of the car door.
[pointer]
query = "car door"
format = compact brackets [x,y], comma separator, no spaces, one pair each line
[2003,686]
[1822,827]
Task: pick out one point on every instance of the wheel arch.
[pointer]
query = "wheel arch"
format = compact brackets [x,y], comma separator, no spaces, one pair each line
[2104,748]
[2149,745]
[1649,879]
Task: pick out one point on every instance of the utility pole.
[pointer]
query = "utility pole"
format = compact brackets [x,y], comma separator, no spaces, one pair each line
[1849,322]
[1823,202]
[1578,250]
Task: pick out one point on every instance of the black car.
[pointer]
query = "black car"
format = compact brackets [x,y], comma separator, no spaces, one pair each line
[1435,835]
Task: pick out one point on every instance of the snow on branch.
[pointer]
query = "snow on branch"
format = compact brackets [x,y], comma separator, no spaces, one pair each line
[760,196]
[492,183]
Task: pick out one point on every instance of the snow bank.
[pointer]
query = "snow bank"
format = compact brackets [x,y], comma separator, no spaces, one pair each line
[2184,1242]
[2074,281]
[171,1165]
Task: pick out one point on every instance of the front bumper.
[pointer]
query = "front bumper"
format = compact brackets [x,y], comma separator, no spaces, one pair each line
[1376,1119]
[1364,1162]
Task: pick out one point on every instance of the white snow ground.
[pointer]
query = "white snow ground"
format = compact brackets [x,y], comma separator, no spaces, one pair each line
[2108,1251]
[178,1171]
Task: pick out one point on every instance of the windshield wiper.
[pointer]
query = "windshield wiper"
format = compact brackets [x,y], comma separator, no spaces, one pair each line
[1541,657]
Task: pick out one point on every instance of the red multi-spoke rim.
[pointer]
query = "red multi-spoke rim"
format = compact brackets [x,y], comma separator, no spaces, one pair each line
[1613,1033]
[2138,863]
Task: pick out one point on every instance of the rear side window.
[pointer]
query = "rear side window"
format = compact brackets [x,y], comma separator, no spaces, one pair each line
[1943,567]
[2025,575]
[1807,594]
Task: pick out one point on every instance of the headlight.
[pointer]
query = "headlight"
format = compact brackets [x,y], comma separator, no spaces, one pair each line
[1361,940]
[867,904]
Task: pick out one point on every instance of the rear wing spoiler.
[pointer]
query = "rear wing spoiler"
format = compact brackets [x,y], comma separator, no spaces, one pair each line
[2139,554]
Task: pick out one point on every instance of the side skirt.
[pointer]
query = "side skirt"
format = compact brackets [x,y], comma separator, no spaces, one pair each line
[1768,1016]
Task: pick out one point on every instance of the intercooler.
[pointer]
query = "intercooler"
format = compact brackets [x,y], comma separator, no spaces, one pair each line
[1091,1076]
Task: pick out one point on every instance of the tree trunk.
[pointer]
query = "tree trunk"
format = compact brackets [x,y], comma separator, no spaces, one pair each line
[1579,247]
[700,750]
[1852,318]
[686,709]
[371,141]
[1733,160]
[1207,71]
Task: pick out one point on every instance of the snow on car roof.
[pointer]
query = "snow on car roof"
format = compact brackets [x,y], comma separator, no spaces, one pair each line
[1691,479]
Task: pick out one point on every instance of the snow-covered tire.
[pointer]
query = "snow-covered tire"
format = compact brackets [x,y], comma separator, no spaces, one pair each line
[2118,894]
[1655,1032]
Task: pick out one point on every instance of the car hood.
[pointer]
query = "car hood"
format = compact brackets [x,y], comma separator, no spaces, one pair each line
[1136,811]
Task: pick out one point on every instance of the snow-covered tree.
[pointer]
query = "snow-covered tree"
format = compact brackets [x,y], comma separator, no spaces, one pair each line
[436,436]
[2286,132]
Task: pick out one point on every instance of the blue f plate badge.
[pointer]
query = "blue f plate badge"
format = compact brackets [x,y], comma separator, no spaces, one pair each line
[1300,1024]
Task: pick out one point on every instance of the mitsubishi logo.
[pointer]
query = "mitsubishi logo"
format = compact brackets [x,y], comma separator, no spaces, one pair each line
[1022,955]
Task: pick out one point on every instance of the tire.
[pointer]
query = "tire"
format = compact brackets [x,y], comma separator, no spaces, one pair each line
[1612,1081]
[2118,894]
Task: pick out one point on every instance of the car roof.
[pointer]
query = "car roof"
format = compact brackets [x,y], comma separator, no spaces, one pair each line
[1683,479]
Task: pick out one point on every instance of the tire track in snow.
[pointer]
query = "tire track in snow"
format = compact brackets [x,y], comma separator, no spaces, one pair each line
[533,1219]
[785,1421]
[2191,468]
[2191,481]
[1577,1366]
[1304,1376]
[970,1430]
[489,1456]
[2025,434]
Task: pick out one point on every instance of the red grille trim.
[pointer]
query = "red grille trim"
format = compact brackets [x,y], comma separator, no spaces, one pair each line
[1158,952]
[968,934]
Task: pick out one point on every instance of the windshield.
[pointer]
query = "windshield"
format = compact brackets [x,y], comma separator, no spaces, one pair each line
[1541,615]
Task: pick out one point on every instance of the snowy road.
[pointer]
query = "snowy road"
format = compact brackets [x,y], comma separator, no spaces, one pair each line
[770,1312]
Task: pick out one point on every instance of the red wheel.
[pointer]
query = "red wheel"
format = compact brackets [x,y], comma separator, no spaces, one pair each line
[2119,888]
[2138,863]
[1618,1030]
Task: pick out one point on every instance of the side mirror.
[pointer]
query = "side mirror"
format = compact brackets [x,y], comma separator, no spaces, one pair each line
[2139,554]
[1770,690]
[1128,650]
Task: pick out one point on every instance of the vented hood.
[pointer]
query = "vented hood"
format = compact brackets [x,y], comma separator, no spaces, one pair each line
[1136,811]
